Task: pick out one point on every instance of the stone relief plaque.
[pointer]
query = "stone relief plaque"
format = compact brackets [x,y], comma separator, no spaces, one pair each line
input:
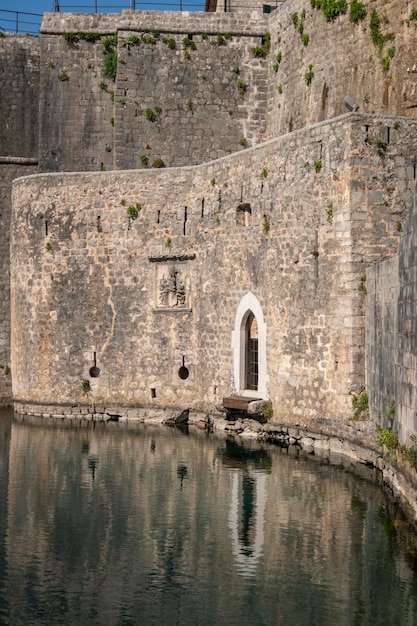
[172,287]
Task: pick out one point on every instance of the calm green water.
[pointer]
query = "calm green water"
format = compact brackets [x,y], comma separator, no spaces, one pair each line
[159,527]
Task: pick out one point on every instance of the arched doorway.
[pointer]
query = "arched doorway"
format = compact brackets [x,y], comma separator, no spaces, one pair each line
[252,354]
[249,348]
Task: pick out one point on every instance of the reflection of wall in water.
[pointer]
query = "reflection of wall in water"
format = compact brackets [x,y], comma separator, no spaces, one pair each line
[247,517]
[287,517]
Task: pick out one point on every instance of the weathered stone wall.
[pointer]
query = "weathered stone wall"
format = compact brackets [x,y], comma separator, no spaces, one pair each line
[391,331]
[86,279]
[91,121]
[19,88]
[344,61]
[9,169]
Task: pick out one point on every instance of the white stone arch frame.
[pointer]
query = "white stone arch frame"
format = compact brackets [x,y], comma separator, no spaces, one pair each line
[249,303]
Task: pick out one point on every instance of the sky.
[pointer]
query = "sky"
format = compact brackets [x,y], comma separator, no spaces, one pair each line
[30,23]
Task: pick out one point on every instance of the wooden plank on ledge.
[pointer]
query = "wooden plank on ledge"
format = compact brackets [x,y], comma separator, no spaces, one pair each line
[238,402]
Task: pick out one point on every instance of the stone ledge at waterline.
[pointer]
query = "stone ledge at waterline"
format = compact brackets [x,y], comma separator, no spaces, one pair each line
[329,440]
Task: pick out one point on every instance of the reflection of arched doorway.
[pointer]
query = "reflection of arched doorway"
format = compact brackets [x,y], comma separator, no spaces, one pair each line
[252,360]
[249,348]
[247,518]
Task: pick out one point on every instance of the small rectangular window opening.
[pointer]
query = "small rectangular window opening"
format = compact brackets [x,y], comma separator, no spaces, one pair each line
[184,227]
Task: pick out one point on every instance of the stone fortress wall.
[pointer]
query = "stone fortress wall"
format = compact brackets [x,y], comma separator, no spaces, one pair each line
[337,189]
[88,281]
[19,86]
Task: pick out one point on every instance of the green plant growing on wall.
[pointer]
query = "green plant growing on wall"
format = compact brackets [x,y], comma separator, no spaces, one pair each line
[149,38]
[110,65]
[102,167]
[379,40]
[48,246]
[309,75]
[85,385]
[131,41]
[213,182]
[6,370]
[144,160]
[235,70]
[110,56]
[412,17]
[109,43]
[243,142]
[70,38]
[387,438]
[51,64]
[362,285]
[168,242]
[242,86]
[277,63]
[112,121]
[262,50]
[217,220]
[73,38]
[103,85]
[279,88]
[107,149]
[264,172]
[150,115]
[204,36]
[329,212]
[189,44]
[63,76]
[360,404]
[132,211]
[381,146]
[189,105]
[331,8]
[268,411]
[123,202]
[170,42]
[317,166]
[221,40]
[386,60]
[298,23]
[410,453]
[258,52]
[357,11]
[158,163]
[89,37]
[266,226]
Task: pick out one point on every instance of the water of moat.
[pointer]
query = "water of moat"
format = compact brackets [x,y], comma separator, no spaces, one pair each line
[156,526]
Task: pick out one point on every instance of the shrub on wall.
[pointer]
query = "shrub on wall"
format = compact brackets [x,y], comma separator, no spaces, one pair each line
[331,8]
[110,65]
[357,11]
